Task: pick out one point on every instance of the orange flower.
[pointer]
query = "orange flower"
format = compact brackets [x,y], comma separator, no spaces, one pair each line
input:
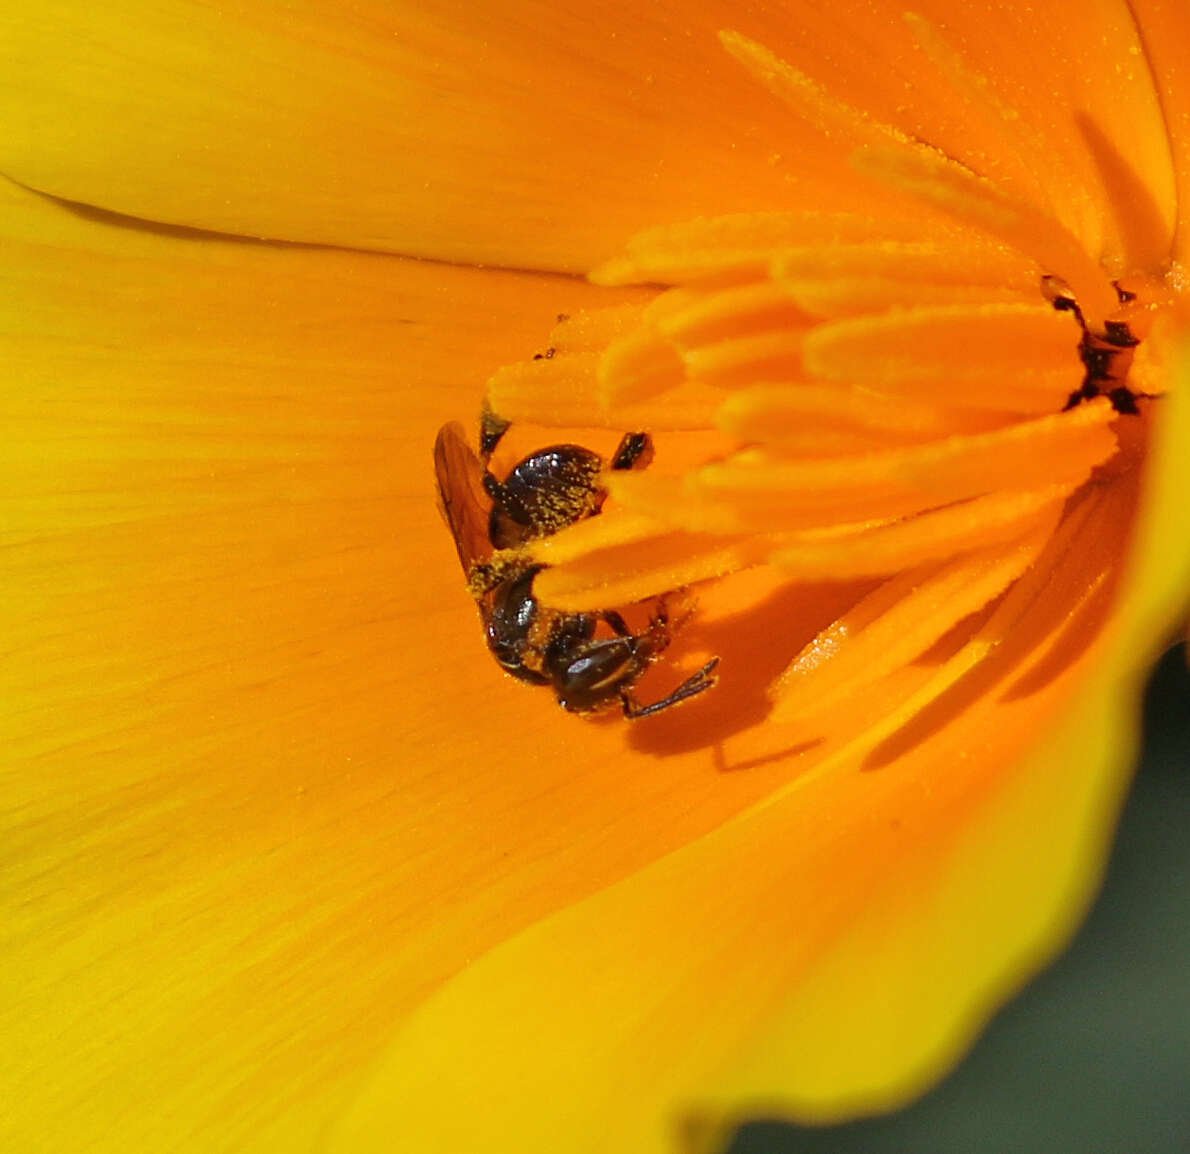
[290,865]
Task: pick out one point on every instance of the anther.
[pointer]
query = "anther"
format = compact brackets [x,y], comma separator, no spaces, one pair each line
[1099,352]
[1119,334]
[1123,400]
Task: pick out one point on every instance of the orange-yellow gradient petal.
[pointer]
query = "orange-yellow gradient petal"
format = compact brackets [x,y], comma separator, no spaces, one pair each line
[289,865]
[245,827]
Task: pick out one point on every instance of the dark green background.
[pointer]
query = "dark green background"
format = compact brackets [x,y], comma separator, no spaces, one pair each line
[1094,1057]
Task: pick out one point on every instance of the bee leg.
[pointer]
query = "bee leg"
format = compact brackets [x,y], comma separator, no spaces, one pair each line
[635,451]
[698,683]
[492,428]
[673,610]
[618,624]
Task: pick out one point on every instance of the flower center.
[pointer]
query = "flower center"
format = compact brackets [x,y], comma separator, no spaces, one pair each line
[896,399]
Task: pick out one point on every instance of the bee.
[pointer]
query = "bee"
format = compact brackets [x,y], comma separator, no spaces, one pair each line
[491,519]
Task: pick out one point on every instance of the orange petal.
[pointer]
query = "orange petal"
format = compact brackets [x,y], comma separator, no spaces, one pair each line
[977,82]
[482,133]
[1164,27]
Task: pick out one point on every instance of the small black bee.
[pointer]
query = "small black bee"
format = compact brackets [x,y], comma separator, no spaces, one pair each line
[548,490]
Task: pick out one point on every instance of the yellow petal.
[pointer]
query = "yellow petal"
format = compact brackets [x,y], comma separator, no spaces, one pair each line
[244,831]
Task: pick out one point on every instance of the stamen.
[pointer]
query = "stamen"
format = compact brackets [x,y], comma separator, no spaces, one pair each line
[740,246]
[847,280]
[609,531]
[1043,174]
[940,181]
[742,360]
[1013,357]
[637,367]
[892,626]
[1155,361]
[823,420]
[624,574]
[713,336]
[746,309]
[594,329]
[928,174]
[563,391]
[807,98]
[929,537]
[1071,572]
[757,491]
[625,557]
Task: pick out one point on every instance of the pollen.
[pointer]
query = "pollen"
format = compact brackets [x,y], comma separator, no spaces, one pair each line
[922,404]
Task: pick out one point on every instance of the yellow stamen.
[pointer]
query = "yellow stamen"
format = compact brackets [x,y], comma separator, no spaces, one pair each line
[928,537]
[637,367]
[1014,357]
[942,182]
[623,574]
[739,246]
[894,625]
[741,360]
[1041,174]
[752,308]
[808,98]
[754,490]
[563,391]
[844,280]
[823,420]
[593,330]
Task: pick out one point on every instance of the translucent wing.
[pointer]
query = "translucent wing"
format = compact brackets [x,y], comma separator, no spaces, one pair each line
[465,505]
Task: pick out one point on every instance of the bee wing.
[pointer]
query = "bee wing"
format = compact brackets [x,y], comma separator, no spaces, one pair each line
[465,505]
